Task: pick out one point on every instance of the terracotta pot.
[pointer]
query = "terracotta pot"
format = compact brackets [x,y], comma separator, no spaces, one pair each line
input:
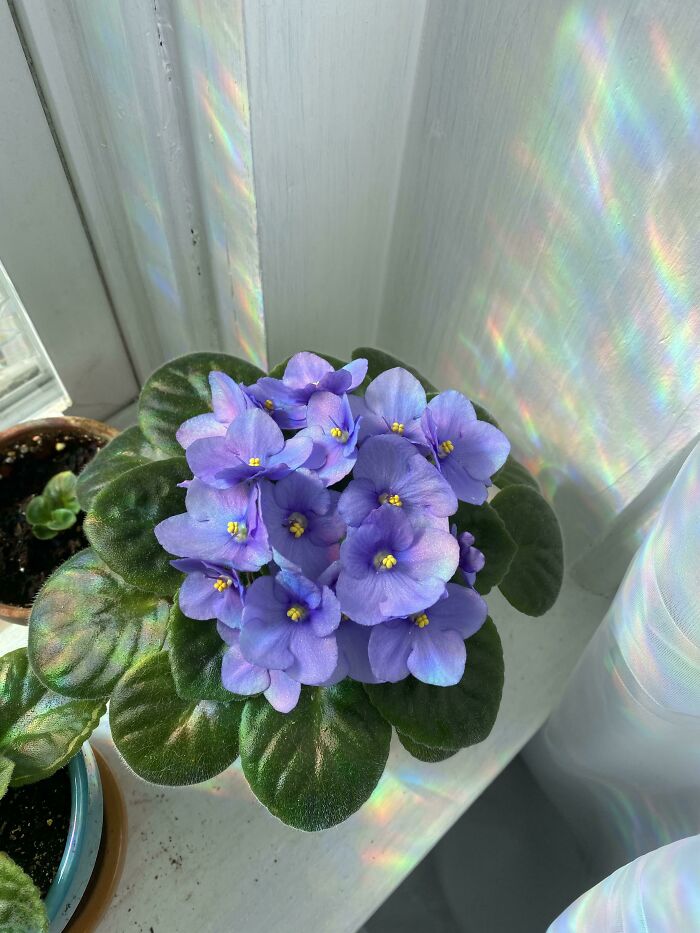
[47,427]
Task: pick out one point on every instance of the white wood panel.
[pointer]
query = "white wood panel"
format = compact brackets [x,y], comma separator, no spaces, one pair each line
[150,103]
[330,89]
[45,250]
[545,254]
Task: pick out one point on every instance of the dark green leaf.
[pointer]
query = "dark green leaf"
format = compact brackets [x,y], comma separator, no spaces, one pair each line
[196,653]
[120,524]
[21,907]
[38,511]
[180,390]
[278,371]
[449,717]
[379,361]
[165,739]
[424,752]
[534,579]
[490,537]
[315,766]
[43,533]
[39,730]
[61,519]
[87,627]
[126,451]
[513,473]
[6,769]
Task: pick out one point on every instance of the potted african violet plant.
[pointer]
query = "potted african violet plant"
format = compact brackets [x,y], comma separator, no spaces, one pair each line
[288,566]
[51,806]
[40,521]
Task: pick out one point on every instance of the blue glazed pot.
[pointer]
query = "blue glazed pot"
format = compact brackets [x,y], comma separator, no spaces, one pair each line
[83,842]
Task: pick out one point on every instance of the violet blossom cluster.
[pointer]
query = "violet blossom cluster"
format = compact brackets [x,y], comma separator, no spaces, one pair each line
[317,530]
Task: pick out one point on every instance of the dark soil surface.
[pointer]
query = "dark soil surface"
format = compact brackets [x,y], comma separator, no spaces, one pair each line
[25,468]
[34,826]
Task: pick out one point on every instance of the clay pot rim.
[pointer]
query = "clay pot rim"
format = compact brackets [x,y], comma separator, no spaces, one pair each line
[68,424]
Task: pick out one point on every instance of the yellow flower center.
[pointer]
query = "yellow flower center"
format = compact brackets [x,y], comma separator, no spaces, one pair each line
[222,584]
[339,435]
[392,498]
[254,461]
[269,404]
[297,524]
[384,561]
[237,530]
[296,613]
[446,448]
[398,427]
[421,620]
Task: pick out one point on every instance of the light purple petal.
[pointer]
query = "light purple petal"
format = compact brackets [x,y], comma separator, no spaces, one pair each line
[437,658]
[434,553]
[314,658]
[358,500]
[464,611]
[254,434]
[305,369]
[464,485]
[358,371]
[396,395]
[227,398]
[482,450]
[200,426]
[208,456]
[283,692]
[205,502]
[266,641]
[198,597]
[295,454]
[326,618]
[389,648]
[238,675]
[325,410]
[452,413]
[353,660]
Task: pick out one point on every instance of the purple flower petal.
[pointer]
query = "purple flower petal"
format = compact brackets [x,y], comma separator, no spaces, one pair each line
[227,398]
[314,658]
[266,641]
[283,692]
[200,426]
[389,648]
[306,369]
[482,450]
[437,660]
[240,676]
[353,660]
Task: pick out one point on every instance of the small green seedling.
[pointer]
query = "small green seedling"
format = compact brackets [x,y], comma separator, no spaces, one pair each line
[56,508]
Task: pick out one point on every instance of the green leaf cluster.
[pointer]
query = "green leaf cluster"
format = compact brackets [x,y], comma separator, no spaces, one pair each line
[107,625]
[56,509]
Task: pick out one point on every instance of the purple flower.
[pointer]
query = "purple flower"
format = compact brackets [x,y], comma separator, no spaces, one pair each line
[390,568]
[428,644]
[391,473]
[305,374]
[210,591]
[228,400]
[467,452]
[283,409]
[471,560]
[245,679]
[333,431]
[393,404]
[253,447]
[302,522]
[223,526]
[289,625]
[353,658]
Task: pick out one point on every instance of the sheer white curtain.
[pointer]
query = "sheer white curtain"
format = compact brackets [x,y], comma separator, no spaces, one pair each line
[621,754]
[657,893]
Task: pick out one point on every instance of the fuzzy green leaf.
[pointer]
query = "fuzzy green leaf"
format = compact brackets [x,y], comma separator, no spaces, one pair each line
[87,627]
[378,362]
[120,524]
[43,532]
[6,769]
[315,766]
[196,653]
[165,739]
[60,489]
[449,717]
[278,371]
[180,390]
[38,511]
[535,575]
[424,752]
[39,730]
[513,473]
[61,519]
[126,451]
[491,538]
[21,907]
